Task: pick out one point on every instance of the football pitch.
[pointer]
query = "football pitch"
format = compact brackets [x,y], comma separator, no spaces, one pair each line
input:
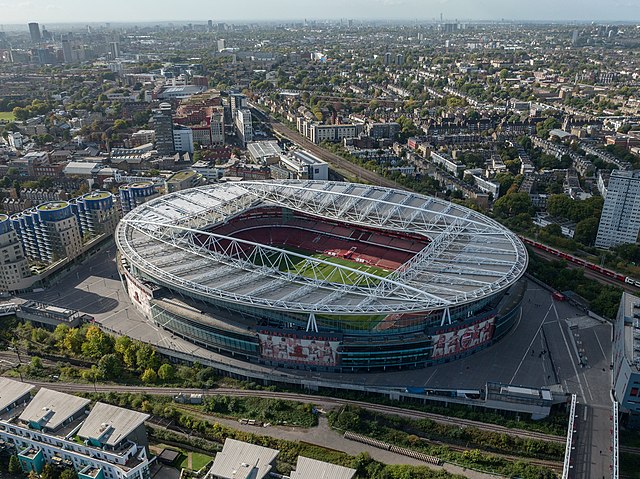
[326,272]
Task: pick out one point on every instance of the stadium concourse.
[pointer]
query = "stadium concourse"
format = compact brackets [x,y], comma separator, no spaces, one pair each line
[322,276]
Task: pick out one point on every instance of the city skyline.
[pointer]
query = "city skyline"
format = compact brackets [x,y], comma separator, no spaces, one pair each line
[421,10]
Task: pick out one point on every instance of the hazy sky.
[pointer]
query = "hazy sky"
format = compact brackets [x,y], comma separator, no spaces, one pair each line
[70,11]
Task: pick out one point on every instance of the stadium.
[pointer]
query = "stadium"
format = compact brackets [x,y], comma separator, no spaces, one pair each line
[322,276]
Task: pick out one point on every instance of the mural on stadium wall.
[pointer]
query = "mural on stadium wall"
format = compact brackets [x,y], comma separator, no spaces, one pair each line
[464,339]
[290,347]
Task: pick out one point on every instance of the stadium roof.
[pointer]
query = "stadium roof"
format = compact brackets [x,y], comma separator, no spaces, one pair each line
[468,256]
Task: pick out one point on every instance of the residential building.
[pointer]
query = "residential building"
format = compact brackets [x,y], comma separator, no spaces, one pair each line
[183,180]
[446,162]
[244,126]
[96,213]
[237,101]
[319,133]
[216,123]
[49,232]
[242,460]
[620,219]
[313,469]
[383,130]
[135,194]
[107,442]
[143,137]
[163,128]
[182,139]
[14,269]
[626,358]
[114,50]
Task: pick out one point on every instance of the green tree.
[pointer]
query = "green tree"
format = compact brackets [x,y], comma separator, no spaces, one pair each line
[97,343]
[73,341]
[147,358]
[49,472]
[110,366]
[586,231]
[513,205]
[166,372]
[68,474]
[149,376]
[14,465]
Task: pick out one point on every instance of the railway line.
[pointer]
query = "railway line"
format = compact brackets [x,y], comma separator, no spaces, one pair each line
[334,160]
[328,401]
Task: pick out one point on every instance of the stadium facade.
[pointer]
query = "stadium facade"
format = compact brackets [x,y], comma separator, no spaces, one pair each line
[322,276]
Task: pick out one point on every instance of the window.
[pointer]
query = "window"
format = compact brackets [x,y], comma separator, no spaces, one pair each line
[634,392]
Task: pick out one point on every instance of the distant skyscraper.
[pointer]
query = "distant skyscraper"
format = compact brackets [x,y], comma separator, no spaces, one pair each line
[575,38]
[114,49]
[399,59]
[620,220]
[387,58]
[221,44]
[210,25]
[67,51]
[163,126]
[34,30]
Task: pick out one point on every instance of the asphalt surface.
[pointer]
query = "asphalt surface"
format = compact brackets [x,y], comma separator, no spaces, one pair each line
[576,358]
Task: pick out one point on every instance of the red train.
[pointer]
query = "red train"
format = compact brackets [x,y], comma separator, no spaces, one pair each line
[579,261]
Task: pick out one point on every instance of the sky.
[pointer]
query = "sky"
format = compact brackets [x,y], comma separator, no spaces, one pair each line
[98,11]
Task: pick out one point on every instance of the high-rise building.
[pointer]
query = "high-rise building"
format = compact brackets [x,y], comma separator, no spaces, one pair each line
[114,50]
[221,44]
[399,59]
[182,139]
[244,126]
[620,220]
[163,126]
[210,25]
[387,58]
[217,127]
[13,263]
[34,30]
[237,101]
[96,213]
[49,232]
[67,50]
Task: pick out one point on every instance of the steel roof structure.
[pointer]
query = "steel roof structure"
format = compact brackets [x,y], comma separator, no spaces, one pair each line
[468,256]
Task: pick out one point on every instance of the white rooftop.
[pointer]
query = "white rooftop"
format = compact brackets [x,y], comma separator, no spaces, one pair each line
[313,469]
[109,424]
[51,409]
[11,391]
[240,460]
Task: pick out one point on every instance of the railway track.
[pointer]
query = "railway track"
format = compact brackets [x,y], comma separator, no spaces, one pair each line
[384,409]
[334,160]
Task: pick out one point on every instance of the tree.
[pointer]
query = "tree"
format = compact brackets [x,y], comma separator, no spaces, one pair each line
[97,343]
[68,474]
[73,341]
[166,372]
[110,366]
[146,357]
[513,205]
[14,465]
[49,472]
[586,231]
[149,376]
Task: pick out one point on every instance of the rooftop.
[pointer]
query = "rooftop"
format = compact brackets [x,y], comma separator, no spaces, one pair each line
[52,206]
[313,469]
[239,460]
[51,409]
[182,175]
[110,424]
[11,391]
[97,195]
